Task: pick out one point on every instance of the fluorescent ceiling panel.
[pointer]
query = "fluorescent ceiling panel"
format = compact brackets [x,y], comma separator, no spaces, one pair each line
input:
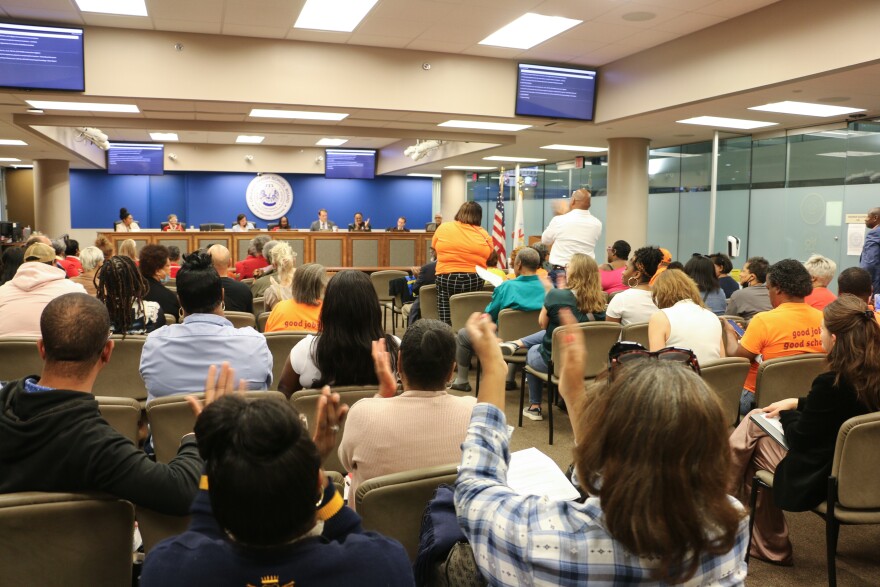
[423,175]
[579,148]
[333,15]
[331,142]
[83,106]
[250,139]
[484,125]
[13,142]
[121,7]
[849,154]
[164,136]
[470,167]
[14,159]
[529,30]
[717,121]
[806,109]
[513,159]
[300,114]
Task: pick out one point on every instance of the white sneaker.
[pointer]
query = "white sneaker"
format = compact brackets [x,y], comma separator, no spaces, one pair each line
[508,348]
[533,413]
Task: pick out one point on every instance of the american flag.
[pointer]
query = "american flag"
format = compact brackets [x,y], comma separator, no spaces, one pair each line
[498,234]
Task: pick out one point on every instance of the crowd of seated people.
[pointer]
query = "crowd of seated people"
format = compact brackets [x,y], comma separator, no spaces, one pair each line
[265,507]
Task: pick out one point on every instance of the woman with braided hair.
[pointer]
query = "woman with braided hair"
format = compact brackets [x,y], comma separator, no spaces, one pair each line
[120,286]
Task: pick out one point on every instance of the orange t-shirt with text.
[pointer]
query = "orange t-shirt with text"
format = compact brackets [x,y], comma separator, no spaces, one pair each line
[291,315]
[788,329]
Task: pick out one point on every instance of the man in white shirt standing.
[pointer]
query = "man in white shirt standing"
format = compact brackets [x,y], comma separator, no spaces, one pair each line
[577,231]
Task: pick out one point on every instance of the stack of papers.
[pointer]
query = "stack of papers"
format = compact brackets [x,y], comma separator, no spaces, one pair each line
[531,472]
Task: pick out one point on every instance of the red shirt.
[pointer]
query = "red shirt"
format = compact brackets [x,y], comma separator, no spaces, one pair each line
[174,269]
[245,269]
[71,265]
[820,298]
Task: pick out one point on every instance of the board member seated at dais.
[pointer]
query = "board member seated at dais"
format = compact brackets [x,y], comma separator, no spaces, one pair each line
[322,223]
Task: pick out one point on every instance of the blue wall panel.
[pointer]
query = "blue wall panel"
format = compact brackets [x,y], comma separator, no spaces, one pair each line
[198,197]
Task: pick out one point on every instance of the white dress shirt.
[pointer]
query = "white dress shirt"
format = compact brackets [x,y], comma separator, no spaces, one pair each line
[133,227]
[574,232]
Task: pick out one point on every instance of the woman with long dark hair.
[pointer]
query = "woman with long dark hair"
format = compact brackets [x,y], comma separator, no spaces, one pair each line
[701,269]
[12,259]
[120,286]
[851,387]
[341,352]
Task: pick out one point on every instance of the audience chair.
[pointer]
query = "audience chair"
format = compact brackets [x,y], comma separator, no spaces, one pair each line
[462,305]
[637,332]
[155,527]
[171,417]
[513,325]
[259,306]
[280,345]
[170,319]
[241,319]
[599,337]
[306,403]
[786,377]
[853,487]
[726,377]
[380,280]
[65,539]
[121,377]
[262,318]
[428,305]
[19,357]
[488,286]
[393,505]
[123,414]
[396,307]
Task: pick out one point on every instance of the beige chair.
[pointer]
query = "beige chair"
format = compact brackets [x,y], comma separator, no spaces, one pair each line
[170,319]
[155,527]
[513,325]
[241,319]
[380,280]
[280,345]
[786,377]
[123,414]
[726,377]
[853,487]
[637,332]
[19,357]
[396,307]
[75,539]
[121,377]
[462,305]
[428,305]
[171,417]
[599,337]
[306,403]
[259,306]
[262,318]
[393,505]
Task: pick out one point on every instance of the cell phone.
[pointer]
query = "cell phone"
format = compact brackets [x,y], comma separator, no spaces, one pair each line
[736,328]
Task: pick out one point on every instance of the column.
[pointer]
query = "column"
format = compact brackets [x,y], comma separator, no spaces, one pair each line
[627,215]
[51,197]
[453,192]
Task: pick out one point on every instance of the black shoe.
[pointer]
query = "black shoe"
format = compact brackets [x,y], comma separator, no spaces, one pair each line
[510,385]
[461,386]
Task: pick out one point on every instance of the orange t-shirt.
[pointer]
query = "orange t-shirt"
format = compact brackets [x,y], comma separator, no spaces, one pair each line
[460,247]
[291,315]
[788,329]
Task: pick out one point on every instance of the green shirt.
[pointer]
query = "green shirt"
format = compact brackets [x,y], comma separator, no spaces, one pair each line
[524,293]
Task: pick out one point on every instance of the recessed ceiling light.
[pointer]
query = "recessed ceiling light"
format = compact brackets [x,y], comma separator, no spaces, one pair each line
[717,121]
[123,7]
[34,111]
[22,166]
[331,142]
[470,167]
[575,148]
[301,114]
[250,139]
[12,142]
[849,154]
[423,174]
[529,30]
[484,125]
[333,15]
[638,16]
[83,106]
[164,136]
[513,159]
[13,159]
[806,109]
[671,154]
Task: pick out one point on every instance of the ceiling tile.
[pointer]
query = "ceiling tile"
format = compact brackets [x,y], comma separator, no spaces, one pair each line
[729,9]
[378,41]
[603,32]
[689,22]
[188,26]
[170,115]
[277,13]
[455,33]
[584,10]
[392,27]
[29,14]
[123,22]
[690,5]
[204,11]
[317,36]
[244,30]
[617,16]
[647,39]
[437,46]
[220,117]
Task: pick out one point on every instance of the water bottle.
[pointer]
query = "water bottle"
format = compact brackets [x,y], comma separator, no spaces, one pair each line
[26,233]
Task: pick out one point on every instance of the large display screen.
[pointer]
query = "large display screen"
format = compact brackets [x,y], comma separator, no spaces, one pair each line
[555,92]
[136,159]
[350,164]
[41,57]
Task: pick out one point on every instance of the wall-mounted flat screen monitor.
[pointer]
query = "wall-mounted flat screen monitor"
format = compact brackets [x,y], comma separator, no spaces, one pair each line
[350,163]
[555,92]
[136,159]
[41,57]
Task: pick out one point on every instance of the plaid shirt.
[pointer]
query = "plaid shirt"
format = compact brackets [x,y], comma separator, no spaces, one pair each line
[530,540]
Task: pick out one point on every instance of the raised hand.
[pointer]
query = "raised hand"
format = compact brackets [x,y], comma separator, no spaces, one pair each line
[330,415]
[382,365]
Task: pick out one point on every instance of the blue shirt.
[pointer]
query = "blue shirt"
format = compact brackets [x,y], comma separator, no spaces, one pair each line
[176,358]
[524,293]
[532,540]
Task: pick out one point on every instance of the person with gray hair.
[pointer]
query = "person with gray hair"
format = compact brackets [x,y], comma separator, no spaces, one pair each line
[574,232]
[821,271]
[91,258]
[245,269]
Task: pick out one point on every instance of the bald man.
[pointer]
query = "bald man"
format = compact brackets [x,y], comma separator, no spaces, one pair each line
[870,258]
[576,231]
[236,295]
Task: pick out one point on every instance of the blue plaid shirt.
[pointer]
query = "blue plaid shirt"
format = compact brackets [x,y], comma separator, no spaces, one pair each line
[530,540]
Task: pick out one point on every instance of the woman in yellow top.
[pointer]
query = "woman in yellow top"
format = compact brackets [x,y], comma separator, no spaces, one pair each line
[461,245]
[303,311]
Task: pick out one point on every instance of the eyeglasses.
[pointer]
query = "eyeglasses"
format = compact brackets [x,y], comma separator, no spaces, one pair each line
[624,352]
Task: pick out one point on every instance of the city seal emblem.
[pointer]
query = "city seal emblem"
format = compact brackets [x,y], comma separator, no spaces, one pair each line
[269,196]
